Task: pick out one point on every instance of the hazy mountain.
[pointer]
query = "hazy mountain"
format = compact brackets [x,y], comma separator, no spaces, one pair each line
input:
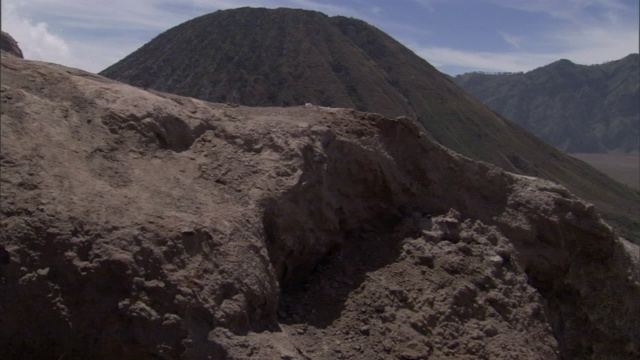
[577,108]
[286,57]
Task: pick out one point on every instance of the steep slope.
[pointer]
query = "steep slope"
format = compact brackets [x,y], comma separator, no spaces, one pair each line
[262,57]
[144,225]
[577,108]
[286,57]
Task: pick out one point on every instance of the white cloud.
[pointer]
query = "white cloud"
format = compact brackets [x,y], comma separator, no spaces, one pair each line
[35,39]
[586,46]
[572,10]
[511,39]
[39,41]
[94,34]
[428,4]
[596,45]
[442,57]
[584,31]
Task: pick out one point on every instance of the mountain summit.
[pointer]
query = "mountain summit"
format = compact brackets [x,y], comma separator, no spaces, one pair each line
[288,57]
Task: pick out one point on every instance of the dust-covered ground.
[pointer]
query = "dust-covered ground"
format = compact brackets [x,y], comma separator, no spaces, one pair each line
[143,225]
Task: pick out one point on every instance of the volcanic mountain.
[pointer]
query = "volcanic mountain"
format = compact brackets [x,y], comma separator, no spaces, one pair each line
[287,57]
[577,108]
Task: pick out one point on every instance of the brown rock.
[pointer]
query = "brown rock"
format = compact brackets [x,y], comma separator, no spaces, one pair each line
[140,225]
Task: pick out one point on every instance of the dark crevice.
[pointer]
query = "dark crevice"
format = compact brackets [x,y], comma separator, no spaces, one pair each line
[320,298]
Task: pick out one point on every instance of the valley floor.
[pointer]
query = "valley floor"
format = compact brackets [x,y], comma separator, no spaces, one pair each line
[624,168]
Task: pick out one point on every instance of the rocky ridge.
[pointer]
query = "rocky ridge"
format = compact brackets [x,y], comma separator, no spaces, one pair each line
[138,224]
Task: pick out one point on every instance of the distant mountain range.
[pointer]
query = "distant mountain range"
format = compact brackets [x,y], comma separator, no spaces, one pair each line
[288,57]
[577,108]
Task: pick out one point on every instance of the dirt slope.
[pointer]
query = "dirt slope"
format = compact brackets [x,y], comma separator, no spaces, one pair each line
[143,225]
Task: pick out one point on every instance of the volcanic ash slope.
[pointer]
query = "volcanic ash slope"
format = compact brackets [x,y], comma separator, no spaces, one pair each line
[142,225]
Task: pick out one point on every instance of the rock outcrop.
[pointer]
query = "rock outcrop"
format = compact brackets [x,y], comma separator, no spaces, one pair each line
[9,45]
[143,225]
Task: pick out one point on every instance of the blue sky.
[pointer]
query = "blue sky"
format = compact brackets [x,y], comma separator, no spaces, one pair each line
[456,36]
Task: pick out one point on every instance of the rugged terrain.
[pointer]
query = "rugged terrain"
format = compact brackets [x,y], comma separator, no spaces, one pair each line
[284,57]
[577,108]
[144,225]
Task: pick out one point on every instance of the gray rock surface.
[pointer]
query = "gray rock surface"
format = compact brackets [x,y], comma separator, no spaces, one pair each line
[143,225]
